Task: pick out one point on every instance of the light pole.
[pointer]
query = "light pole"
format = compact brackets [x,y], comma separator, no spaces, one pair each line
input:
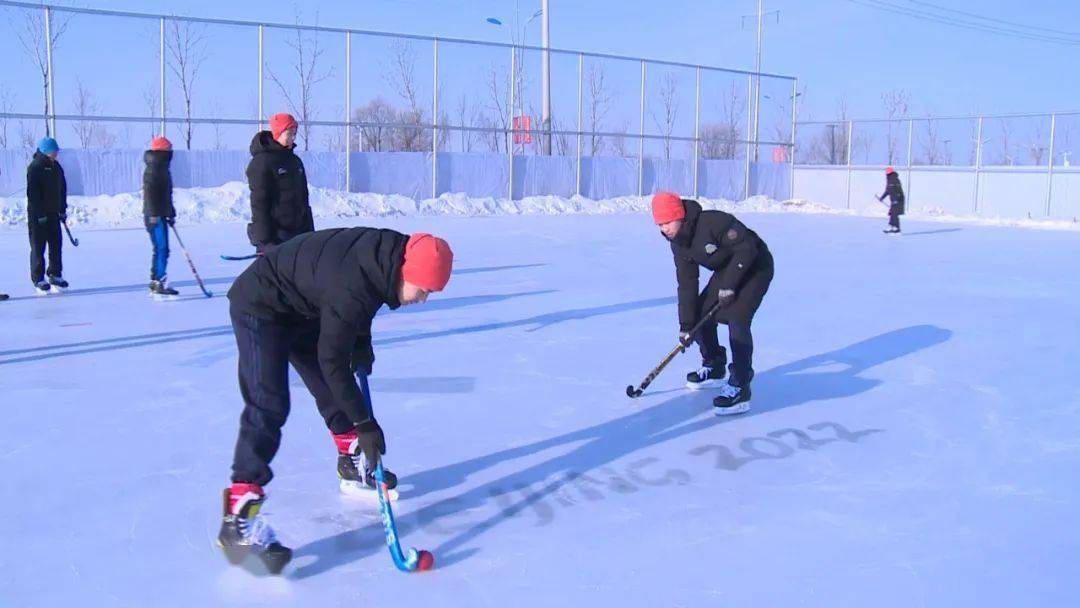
[516,72]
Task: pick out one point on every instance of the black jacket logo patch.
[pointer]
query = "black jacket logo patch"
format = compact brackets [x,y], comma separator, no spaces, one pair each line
[710,249]
[732,234]
[282,171]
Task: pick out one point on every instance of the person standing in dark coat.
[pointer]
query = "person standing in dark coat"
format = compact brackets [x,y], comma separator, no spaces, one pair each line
[742,268]
[159,212]
[310,302]
[279,190]
[895,192]
[46,210]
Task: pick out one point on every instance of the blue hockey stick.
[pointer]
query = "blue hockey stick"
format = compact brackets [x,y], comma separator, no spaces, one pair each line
[405,563]
[410,562]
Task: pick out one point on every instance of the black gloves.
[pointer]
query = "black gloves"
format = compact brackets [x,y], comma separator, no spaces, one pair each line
[370,441]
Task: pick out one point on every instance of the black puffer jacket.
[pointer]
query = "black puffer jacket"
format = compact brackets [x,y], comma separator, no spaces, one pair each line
[157,184]
[718,241]
[279,193]
[895,192]
[341,277]
[46,188]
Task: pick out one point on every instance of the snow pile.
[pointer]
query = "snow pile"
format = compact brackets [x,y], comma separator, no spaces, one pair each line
[230,203]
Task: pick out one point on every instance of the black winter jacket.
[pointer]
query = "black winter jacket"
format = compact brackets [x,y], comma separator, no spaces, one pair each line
[895,192]
[339,276]
[718,241]
[46,188]
[279,193]
[157,184]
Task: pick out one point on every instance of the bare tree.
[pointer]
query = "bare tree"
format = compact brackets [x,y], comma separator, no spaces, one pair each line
[26,136]
[400,74]
[669,109]
[1004,157]
[219,140]
[150,98]
[467,116]
[85,130]
[305,66]
[618,141]
[497,111]
[930,143]
[896,104]
[374,137]
[32,39]
[7,101]
[721,140]
[560,140]
[104,139]
[185,48]
[1037,149]
[599,98]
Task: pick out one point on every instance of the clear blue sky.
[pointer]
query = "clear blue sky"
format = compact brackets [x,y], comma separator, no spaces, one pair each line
[838,49]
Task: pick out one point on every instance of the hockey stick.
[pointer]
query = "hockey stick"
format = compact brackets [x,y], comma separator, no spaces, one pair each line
[239,258]
[74,241]
[681,348]
[191,264]
[406,562]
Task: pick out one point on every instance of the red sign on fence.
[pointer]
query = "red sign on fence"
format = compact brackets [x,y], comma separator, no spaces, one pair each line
[523,129]
[779,154]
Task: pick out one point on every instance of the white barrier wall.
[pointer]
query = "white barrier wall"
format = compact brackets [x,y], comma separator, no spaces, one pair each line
[1004,192]
[94,172]
[1065,196]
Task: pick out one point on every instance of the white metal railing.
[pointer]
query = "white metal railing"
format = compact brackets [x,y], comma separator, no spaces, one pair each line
[751,141]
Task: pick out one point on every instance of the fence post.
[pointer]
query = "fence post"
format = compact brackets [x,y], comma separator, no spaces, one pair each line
[849,129]
[794,126]
[749,144]
[580,133]
[641,137]
[1050,166]
[161,70]
[435,127]
[510,138]
[262,113]
[978,161]
[348,111]
[697,128]
[910,139]
[51,122]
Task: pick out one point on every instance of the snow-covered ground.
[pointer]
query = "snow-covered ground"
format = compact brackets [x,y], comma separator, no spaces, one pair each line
[915,438]
[231,203]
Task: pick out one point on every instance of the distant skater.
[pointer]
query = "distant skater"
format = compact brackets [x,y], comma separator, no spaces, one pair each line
[895,192]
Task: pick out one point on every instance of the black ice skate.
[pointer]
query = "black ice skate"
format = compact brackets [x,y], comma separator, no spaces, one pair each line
[57,281]
[160,290]
[353,483]
[246,538]
[705,377]
[733,399]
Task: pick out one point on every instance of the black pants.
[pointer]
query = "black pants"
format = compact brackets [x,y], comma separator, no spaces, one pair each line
[42,234]
[737,316]
[894,217]
[266,349]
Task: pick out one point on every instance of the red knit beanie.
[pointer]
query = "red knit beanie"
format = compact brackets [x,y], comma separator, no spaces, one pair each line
[279,123]
[667,207]
[160,143]
[428,261]
[889,170]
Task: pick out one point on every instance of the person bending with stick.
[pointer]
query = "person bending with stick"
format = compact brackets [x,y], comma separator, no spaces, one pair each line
[742,268]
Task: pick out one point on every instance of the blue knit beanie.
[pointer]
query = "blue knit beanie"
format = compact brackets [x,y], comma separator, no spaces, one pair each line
[48,145]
